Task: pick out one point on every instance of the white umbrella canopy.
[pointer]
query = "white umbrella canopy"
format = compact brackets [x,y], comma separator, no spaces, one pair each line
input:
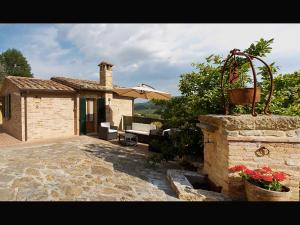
[143,91]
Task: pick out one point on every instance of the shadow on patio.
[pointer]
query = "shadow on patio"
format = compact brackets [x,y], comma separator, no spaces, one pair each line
[134,163]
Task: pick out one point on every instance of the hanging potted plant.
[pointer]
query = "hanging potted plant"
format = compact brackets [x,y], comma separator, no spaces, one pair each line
[241,95]
[263,184]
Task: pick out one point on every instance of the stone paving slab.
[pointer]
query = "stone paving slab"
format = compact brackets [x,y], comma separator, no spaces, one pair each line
[185,190]
[80,169]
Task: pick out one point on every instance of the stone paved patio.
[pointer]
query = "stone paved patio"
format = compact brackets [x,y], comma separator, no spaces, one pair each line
[80,169]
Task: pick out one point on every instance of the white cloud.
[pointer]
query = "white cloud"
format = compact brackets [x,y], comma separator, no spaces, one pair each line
[151,52]
[177,43]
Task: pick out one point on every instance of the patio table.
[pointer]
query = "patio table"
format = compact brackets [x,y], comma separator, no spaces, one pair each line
[128,139]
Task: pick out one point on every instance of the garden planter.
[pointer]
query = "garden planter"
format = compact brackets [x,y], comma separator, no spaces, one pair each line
[255,193]
[243,96]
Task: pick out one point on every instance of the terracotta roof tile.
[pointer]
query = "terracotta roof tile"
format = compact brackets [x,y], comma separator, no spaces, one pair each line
[79,84]
[26,83]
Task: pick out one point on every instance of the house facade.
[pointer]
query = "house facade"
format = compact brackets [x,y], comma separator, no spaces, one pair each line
[62,106]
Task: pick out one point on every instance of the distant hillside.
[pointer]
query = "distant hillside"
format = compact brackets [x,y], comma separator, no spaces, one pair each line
[147,109]
[145,105]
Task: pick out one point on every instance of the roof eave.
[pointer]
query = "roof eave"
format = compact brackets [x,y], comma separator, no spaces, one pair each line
[24,90]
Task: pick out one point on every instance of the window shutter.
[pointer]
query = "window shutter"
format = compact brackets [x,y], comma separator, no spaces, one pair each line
[9,106]
[101,110]
[3,106]
[82,111]
[6,105]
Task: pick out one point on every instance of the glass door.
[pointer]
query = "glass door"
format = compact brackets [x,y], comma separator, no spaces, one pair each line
[90,115]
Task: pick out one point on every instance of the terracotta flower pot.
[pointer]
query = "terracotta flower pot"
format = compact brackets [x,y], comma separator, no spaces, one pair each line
[255,193]
[243,96]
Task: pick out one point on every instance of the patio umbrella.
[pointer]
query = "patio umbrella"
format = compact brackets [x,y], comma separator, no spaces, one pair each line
[143,91]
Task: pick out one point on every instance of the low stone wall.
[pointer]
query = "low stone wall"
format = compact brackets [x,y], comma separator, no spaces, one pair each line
[234,140]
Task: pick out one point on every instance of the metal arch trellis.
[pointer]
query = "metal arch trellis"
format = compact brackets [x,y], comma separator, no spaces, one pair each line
[249,57]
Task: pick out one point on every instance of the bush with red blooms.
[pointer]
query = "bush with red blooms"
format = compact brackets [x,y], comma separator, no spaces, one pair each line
[263,177]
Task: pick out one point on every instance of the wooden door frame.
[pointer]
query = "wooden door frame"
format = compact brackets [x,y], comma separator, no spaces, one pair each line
[89,99]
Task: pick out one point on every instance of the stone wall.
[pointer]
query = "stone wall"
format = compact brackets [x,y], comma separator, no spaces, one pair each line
[13,126]
[50,116]
[234,140]
[120,106]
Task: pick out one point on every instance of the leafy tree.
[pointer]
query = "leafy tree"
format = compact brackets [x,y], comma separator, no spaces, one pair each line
[286,94]
[2,73]
[202,87]
[201,94]
[15,64]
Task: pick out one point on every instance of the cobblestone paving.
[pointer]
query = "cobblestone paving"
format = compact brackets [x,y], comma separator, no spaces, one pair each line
[80,169]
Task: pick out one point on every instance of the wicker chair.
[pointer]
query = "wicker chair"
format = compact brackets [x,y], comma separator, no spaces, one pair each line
[107,132]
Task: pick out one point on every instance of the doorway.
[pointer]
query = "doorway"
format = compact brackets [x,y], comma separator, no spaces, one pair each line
[87,115]
[92,113]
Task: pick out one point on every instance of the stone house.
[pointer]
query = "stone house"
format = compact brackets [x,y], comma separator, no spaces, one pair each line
[38,109]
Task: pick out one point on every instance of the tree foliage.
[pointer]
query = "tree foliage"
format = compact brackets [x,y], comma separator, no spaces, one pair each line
[2,73]
[201,93]
[13,63]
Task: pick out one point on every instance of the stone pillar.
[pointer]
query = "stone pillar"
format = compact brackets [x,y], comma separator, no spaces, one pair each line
[106,80]
[234,140]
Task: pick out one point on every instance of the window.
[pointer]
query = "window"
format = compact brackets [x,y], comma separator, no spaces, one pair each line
[7,106]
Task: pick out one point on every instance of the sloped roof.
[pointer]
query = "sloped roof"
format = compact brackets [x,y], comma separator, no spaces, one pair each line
[26,84]
[79,84]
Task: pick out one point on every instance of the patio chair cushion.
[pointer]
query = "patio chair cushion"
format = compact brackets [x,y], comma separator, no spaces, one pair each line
[105,124]
[167,131]
[143,127]
[138,132]
[112,131]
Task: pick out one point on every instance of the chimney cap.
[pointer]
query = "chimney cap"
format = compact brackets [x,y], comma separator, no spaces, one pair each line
[105,63]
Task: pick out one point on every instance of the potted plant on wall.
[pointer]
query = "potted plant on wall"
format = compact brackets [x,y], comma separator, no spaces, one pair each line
[263,184]
[240,94]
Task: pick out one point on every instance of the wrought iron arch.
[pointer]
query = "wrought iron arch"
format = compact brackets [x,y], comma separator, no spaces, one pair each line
[249,57]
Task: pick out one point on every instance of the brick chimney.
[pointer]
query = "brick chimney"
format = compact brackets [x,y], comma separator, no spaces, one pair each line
[106,74]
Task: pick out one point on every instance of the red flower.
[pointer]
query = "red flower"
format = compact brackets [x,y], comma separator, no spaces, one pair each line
[256,176]
[280,176]
[267,169]
[262,177]
[249,172]
[267,178]
[260,171]
[237,168]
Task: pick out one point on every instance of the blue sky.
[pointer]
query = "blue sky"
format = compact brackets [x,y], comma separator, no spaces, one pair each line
[155,54]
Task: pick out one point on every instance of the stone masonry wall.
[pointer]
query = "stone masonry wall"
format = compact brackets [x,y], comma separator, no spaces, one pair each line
[13,126]
[233,140]
[120,106]
[50,116]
